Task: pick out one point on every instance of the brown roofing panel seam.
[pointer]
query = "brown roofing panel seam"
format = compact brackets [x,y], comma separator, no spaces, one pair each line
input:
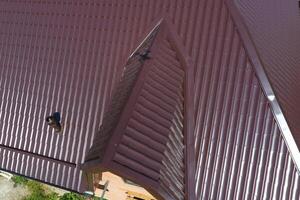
[37,155]
[24,163]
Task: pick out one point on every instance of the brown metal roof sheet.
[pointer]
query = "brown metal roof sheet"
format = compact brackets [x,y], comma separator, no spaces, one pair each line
[240,151]
[274,27]
[148,139]
[48,48]
[119,98]
[59,56]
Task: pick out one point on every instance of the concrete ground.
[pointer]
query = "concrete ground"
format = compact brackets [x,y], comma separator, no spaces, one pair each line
[9,192]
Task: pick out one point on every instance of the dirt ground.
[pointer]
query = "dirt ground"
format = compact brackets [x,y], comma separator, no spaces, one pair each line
[9,192]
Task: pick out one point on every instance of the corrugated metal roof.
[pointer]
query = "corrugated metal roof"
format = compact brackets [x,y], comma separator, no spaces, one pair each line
[148,138]
[47,170]
[59,56]
[240,151]
[162,122]
[67,55]
[120,96]
[275,28]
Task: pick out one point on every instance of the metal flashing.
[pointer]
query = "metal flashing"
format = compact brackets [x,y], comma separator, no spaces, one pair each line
[257,63]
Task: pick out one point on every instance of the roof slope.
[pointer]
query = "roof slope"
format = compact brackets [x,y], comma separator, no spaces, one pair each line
[58,56]
[67,55]
[241,153]
[147,142]
[274,27]
[120,96]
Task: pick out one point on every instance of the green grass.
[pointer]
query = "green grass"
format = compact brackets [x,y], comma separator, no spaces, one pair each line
[38,192]
[19,180]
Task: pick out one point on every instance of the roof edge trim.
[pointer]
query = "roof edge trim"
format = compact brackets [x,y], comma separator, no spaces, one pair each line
[264,81]
[39,156]
[145,38]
